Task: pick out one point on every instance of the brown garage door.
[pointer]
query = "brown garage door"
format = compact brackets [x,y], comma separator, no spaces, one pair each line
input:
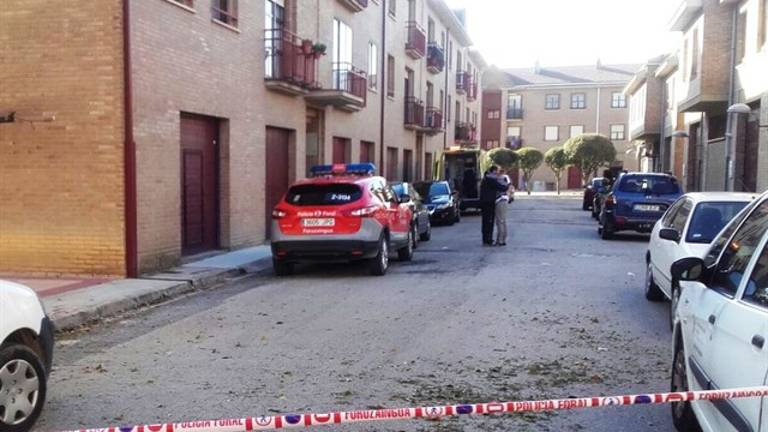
[277,178]
[199,184]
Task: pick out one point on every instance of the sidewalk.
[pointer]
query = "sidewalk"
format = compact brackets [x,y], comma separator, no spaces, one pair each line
[72,303]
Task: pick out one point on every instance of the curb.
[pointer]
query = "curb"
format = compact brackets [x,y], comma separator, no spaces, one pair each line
[168,289]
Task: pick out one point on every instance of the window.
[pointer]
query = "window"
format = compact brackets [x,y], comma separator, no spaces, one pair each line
[741,37]
[373,65]
[678,222]
[448,109]
[367,150]
[695,55]
[617,132]
[393,7]
[709,218]
[757,287]
[576,131]
[514,131]
[490,144]
[430,95]
[618,100]
[430,30]
[578,101]
[762,29]
[342,54]
[551,133]
[450,55]
[494,114]
[669,216]
[458,60]
[730,270]
[224,11]
[552,102]
[390,76]
[458,112]
[273,23]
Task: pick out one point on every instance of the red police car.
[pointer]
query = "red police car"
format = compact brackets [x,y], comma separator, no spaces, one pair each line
[343,213]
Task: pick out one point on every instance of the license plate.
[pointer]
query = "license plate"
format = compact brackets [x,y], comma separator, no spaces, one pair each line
[648,208]
[317,223]
[644,227]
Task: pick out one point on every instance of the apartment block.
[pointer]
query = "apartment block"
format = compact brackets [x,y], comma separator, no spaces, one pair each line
[543,107]
[156,130]
[722,64]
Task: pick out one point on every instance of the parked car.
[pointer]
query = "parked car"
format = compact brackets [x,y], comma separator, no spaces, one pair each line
[344,213]
[442,201]
[721,326]
[687,229]
[408,196]
[594,187]
[26,355]
[636,202]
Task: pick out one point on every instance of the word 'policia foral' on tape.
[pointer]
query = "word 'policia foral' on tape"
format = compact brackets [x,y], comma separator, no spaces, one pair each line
[295,421]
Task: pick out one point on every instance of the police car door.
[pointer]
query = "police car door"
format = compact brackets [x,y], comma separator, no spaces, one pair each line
[737,352]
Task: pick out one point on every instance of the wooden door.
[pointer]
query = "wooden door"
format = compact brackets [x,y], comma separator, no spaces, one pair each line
[277,171]
[407,165]
[199,184]
[574,178]
[366,151]
[428,166]
[392,164]
[340,150]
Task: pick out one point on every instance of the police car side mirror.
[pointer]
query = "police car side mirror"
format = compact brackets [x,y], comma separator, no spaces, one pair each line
[688,269]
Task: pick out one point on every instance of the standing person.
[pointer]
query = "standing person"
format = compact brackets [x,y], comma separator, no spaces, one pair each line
[500,214]
[489,189]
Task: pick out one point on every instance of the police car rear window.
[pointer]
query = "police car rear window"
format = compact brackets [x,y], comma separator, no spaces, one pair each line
[320,195]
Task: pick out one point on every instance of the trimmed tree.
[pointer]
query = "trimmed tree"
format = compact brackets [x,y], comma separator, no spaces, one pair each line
[557,161]
[530,160]
[503,157]
[589,152]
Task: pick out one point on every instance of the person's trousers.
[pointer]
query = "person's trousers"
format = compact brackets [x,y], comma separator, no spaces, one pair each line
[501,222]
[488,211]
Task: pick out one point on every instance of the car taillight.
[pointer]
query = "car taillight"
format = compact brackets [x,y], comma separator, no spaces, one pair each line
[364,212]
[610,201]
[278,214]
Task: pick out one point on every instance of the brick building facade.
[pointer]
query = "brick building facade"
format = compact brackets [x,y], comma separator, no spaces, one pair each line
[226,106]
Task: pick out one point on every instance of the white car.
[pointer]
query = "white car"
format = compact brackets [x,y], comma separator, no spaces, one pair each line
[721,326]
[26,353]
[687,230]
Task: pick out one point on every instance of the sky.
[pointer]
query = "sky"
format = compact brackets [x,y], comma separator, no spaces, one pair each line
[517,33]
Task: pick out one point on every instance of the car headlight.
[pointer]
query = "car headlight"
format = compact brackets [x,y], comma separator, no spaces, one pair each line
[444,206]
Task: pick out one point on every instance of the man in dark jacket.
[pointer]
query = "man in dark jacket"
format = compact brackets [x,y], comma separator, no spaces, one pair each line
[489,190]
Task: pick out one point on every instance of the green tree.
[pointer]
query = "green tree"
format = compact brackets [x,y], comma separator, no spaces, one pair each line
[529,160]
[557,160]
[502,157]
[589,152]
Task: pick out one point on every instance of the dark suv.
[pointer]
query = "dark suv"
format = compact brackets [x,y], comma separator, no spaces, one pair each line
[442,201]
[636,202]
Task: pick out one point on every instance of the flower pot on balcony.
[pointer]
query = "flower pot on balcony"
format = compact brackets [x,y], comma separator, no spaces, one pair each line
[319,49]
[307,47]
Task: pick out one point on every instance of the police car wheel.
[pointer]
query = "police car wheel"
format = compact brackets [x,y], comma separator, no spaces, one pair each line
[378,266]
[682,414]
[282,268]
[406,253]
[22,388]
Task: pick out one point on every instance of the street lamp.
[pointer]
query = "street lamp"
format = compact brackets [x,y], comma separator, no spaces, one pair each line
[735,109]
[680,134]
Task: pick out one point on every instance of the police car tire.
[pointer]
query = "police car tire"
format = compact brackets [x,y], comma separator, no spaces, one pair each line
[282,268]
[406,253]
[13,352]
[376,265]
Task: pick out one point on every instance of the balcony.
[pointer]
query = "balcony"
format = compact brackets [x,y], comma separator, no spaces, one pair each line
[435,58]
[416,46]
[463,82]
[514,143]
[414,114]
[434,121]
[290,65]
[355,5]
[348,91]
[466,133]
[514,113]
[472,90]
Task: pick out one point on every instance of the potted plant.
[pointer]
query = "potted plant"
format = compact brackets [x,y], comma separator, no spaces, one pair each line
[319,49]
[307,47]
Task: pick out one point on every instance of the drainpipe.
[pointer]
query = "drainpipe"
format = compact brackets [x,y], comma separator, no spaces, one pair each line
[445,106]
[662,131]
[129,153]
[384,79]
[729,135]
[597,119]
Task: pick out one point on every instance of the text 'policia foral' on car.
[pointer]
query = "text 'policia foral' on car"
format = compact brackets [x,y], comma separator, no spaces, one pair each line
[344,213]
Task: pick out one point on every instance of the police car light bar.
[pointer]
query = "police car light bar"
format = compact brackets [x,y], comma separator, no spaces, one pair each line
[343,169]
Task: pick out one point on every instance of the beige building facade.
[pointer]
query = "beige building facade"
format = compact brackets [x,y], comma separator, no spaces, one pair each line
[207,114]
[544,107]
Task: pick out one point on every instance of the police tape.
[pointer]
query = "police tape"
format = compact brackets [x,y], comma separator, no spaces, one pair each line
[294,421]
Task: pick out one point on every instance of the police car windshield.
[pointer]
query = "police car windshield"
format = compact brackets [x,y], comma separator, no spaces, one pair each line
[324,195]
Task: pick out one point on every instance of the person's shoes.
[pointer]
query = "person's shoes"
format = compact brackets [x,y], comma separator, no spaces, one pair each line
[501,244]
[487,244]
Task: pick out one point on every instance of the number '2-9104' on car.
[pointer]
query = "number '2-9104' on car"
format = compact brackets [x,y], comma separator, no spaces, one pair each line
[343,213]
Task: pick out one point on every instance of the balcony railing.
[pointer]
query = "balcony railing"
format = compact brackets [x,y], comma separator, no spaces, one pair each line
[465,132]
[289,66]
[472,90]
[414,113]
[348,90]
[463,82]
[435,58]
[416,46]
[355,5]
[514,143]
[434,120]
[514,113]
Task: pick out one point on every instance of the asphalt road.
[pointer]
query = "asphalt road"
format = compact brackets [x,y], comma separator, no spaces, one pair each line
[556,313]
